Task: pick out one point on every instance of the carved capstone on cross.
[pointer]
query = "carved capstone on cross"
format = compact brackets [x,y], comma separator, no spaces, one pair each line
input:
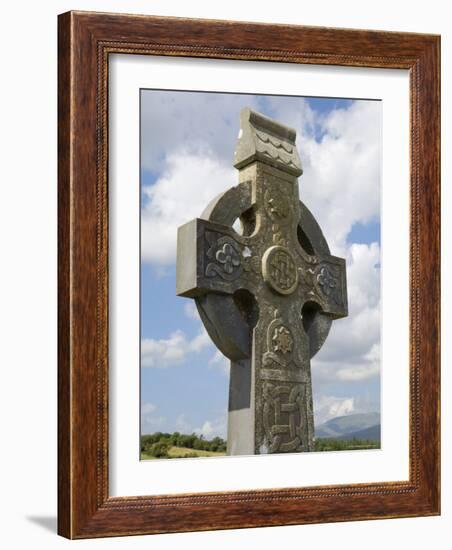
[267,296]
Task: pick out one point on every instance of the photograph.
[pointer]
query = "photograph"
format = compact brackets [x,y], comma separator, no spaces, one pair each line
[224,235]
[248,272]
[260,274]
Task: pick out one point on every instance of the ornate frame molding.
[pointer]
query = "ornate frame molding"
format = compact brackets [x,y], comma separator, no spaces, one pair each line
[85,42]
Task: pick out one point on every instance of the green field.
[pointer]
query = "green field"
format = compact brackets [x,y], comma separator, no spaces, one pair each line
[182,452]
[176,445]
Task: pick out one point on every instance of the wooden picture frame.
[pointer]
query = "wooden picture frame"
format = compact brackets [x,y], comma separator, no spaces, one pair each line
[85,42]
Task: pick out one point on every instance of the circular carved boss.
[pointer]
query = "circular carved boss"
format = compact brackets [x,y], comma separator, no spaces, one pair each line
[279,269]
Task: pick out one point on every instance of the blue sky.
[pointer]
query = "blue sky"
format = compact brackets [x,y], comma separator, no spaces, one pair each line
[187,144]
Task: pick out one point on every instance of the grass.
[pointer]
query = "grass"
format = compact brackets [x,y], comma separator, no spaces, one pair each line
[321,444]
[330,444]
[182,452]
[160,445]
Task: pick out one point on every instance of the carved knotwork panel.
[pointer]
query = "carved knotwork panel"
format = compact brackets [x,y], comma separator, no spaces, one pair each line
[280,270]
[284,416]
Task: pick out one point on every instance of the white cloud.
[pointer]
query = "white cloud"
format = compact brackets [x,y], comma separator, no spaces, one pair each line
[360,372]
[367,368]
[182,192]
[221,362]
[206,429]
[351,352]
[327,407]
[199,342]
[160,353]
[363,276]
[213,428]
[150,422]
[340,183]
[182,424]
[341,176]
[173,350]
[191,310]
[175,121]
[148,408]
[341,169]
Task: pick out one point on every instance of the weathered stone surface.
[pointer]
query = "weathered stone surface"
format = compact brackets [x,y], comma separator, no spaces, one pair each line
[267,297]
[263,139]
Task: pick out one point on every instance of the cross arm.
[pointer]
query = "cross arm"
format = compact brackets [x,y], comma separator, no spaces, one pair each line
[327,284]
[211,257]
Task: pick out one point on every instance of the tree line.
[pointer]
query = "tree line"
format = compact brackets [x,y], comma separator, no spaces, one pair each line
[158,443]
[331,444]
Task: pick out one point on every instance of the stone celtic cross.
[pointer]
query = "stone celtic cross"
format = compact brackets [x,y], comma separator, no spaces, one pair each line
[267,294]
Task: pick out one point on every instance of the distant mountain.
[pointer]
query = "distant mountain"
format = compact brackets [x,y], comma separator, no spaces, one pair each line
[373,433]
[347,425]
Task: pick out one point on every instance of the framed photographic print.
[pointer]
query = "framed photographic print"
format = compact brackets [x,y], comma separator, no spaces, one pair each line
[248,275]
